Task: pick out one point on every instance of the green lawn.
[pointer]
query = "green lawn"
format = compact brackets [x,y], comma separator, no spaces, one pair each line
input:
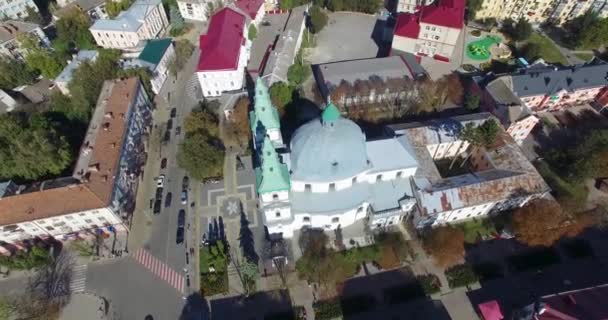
[549,52]
[474,229]
[584,56]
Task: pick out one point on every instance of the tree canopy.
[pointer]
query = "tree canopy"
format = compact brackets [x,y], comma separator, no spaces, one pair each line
[32,148]
[518,31]
[183,51]
[113,8]
[237,130]
[14,73]
[471,102]
[318,19]
[587,31]
[39,58]
[445,244]
[252,33]
[281,94]
[73,31]
[542,222]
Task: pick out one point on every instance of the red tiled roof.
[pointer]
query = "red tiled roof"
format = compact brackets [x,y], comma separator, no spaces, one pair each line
[221,46]
[250,7]
[407,26]
[447,13]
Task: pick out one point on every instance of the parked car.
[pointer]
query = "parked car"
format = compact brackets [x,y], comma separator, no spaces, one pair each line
[157,205]
[167,137]
[184,197]
[178,130]
[170,124]
[181,218]
[163,163]
[173,112]
[159,194]
[185,183]
[168,199]
[179,237]
[160,181]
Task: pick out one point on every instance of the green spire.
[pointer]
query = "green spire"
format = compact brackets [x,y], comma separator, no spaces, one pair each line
[265,112]
[330,113]
[273,175]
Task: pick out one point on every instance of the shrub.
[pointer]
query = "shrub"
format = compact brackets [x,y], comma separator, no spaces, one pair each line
[430,283]
[327,309]
[460,276]
[214,283]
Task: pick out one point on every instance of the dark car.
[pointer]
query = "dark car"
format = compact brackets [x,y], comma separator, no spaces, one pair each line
[163,163]
[159,194]
[168,199]
[179,237]
[170,124]
[185,183]
[181,218]
[157,205]
[167,136]
[173,112]
[178,130]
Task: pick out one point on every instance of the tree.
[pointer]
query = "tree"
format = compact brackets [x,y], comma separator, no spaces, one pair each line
[299,71]
[201,156]
[33,16]
[143,74]
[32,148]
[542,222]
[281,94]
[445,244]
[318,19]
[252,33]
[586,31]
[522,30]
[472,7]
[237,129]
[183,51]
[177,21]
[113,8]
[213,7]
[471,102]
[203,121]
[488,132]
[595,35]
[73,30]
[14,73]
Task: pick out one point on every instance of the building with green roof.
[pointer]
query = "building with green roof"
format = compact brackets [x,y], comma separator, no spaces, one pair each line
[272,175]
[264,118]
[155,56]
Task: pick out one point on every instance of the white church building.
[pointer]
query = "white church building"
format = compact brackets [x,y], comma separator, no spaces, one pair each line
[330,176]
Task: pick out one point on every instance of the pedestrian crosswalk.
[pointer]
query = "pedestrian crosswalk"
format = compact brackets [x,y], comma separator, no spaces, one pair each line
[160,269]
[79,278]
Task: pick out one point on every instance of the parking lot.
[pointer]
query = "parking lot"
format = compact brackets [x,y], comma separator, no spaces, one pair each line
[347,36]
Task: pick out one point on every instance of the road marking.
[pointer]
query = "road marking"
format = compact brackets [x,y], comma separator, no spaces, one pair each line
[79,278]
[159,269]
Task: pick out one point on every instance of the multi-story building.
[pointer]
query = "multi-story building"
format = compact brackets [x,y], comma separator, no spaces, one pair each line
[144,20]
[411,5]
[224,53]
[194,9]
[600,7]
[540,11]
[253,9]
[515,98]
[156,56]
[101,193]
[368,81]
[63,79]
[433,30]
[9,46]
[16,9]
[95,9]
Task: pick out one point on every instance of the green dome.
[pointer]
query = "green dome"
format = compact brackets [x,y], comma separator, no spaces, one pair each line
[330,113]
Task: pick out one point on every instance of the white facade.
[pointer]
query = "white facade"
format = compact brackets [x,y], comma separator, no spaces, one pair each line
[15,9]
[142,21]
[214,83]
[194,9]
[432,40]
[410,5]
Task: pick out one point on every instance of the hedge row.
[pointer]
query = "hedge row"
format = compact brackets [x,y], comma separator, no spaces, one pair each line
[460,276]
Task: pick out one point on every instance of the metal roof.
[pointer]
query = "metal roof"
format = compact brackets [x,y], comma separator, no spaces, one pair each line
[83,55]
[130,20]
[154,50]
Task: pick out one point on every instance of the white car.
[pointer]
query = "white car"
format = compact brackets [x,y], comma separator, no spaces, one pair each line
[160,181]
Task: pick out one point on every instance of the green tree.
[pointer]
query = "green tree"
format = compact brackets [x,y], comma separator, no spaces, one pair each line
[45,61]
[318,19]
[488,132]
[14,73]
[177,21]
[595,35]
[522,30]
[252,33]
[183,52]
[144,75]
[281,94]
[472,7]
[579,28]
[201,156]
[113,8]
[201,121]
[532,51]
[73,31]
[471,102]
[32,149]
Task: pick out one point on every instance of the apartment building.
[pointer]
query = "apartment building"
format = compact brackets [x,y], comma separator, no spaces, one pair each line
[144,20]
[15,9]
[9,46]
[433,30]
[155,56]
[600,7]
[540,11]
[194,9]
[101,193]
[95,9]
[224,53]
[411,5]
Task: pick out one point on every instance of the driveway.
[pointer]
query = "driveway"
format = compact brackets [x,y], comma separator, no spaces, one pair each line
[347,36]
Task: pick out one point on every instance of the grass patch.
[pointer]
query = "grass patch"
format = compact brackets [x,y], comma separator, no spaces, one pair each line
[549,51]
[574,193]
[475,229]
[584,56]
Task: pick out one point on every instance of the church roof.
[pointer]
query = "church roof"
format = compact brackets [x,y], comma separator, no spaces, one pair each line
[263,111]
[272,174]
[330,113]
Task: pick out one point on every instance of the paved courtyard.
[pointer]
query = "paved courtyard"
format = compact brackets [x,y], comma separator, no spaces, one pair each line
[347,36]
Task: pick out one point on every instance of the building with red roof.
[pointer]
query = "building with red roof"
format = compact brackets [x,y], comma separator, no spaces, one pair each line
[432,30]
[254,9]
[224,53]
